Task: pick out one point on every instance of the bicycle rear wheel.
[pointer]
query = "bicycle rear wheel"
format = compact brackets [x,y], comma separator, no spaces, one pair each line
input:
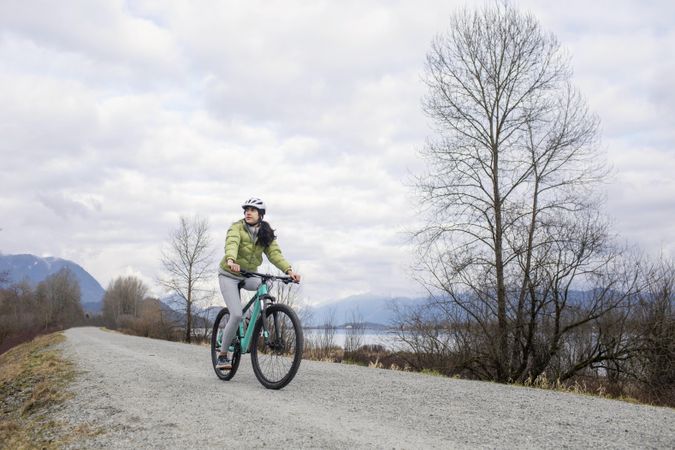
[216,342]
[276,357]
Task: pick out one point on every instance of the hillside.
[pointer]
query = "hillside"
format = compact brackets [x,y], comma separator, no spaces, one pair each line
[34,269]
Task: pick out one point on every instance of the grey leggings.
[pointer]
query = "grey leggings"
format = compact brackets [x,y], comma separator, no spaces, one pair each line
[229,287]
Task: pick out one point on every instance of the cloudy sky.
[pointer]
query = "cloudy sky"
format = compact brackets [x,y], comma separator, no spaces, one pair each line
[117,117]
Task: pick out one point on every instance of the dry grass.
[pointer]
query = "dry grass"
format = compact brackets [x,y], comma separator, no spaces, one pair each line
[317,353]
[592,387]
[34,378]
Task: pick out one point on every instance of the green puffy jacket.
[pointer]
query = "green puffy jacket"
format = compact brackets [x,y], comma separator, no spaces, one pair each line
[239,246]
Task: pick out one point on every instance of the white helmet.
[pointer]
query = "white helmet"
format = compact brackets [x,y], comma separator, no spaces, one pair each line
[256,203]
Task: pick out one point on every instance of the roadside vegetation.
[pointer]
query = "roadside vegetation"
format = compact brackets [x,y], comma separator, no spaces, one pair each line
[28,311]
[126,308]
[34,379]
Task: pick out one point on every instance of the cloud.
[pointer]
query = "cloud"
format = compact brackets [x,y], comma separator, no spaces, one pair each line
[118,117]
[640,197]
[65,206]
[101,32]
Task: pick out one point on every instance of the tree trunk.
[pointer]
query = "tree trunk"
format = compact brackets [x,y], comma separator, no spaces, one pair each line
[502,324]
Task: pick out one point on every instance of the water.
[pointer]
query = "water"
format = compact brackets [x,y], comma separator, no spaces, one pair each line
[369,337]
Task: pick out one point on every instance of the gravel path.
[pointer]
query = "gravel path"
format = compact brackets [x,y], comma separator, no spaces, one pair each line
[148,393]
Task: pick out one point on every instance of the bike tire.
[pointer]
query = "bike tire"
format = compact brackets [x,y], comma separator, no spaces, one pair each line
[218,326]
[276,361]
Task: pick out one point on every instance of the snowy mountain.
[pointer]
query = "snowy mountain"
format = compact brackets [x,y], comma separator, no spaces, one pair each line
[34,269]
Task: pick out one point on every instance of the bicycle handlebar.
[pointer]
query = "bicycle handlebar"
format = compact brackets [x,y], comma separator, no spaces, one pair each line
[266,276]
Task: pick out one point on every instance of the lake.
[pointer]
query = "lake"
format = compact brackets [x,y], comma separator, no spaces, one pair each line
[384,338]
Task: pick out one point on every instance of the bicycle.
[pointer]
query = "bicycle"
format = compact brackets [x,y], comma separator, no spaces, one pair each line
[273,337]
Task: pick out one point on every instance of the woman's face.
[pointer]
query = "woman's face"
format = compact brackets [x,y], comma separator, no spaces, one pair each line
[251,215]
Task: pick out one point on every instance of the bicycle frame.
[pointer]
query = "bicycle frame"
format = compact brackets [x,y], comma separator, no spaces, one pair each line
[258,305]
[258,302]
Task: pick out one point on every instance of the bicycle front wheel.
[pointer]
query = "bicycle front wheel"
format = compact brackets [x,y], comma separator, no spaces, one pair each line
[216,342]
[276,355]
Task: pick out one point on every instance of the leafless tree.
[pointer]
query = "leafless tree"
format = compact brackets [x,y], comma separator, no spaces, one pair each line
[18,309]
[58,300]
[157,321]
[321,344]
[123,297]
[355,331]
[326,340]
[202,324]
[653,328]
[287,294]
[187,263]
[512,226]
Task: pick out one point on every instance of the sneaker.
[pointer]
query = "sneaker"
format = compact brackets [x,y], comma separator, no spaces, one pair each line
[224,362]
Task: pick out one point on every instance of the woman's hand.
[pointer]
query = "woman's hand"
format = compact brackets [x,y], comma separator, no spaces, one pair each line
[234,267]
[294,276]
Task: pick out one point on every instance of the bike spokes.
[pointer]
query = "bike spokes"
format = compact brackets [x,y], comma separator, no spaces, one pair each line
[277,353]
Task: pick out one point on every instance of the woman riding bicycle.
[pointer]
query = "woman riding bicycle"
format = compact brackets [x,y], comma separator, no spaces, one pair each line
[246,241]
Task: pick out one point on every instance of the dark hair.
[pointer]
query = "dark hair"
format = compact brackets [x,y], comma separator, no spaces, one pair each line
[265,234]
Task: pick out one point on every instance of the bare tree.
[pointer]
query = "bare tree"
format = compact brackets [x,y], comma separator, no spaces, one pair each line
[58,300]
[123,297]
[18,310]
[654,330]
[512,226]
[187,263]
[201,326]
[356,328]
[321,343]
[326,340]
[156,321]
[287,294]
[425,330]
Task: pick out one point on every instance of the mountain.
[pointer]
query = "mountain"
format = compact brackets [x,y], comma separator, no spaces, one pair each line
[34,269]
[372,308]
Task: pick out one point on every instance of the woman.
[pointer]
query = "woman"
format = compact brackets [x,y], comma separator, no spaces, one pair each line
[246,241]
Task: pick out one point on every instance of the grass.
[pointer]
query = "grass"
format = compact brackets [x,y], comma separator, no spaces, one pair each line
[590,387]
[34,379]
[432,372]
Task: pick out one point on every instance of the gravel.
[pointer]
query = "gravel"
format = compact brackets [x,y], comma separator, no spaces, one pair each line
[146,393]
